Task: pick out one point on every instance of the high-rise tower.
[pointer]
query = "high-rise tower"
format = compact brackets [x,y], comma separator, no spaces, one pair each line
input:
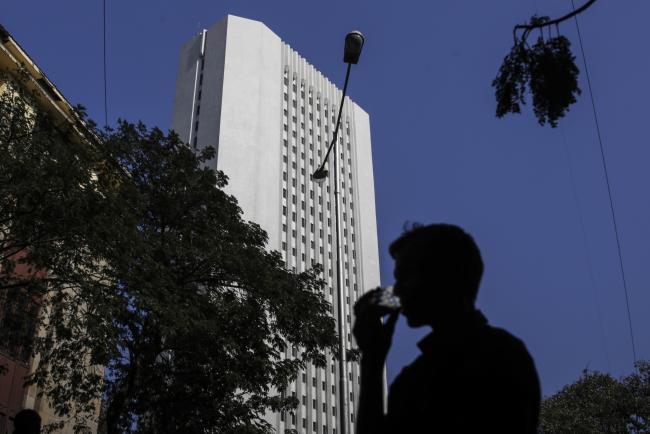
[271,115]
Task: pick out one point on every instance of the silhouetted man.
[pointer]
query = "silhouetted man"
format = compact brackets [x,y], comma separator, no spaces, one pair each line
[27,421]
[471,377]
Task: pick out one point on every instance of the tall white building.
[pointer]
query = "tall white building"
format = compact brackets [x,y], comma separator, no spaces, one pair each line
[271,115]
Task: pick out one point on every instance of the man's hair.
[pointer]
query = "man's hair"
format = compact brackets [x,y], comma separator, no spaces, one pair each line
[27,421]
[447,249]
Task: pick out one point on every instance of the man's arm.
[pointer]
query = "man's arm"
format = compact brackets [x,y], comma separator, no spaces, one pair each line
[370,415]
[373,339]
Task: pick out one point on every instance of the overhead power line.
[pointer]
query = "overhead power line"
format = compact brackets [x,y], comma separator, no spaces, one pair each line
[609,190]
[105,81]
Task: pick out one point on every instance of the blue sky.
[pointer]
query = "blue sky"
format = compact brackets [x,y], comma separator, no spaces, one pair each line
[534,197]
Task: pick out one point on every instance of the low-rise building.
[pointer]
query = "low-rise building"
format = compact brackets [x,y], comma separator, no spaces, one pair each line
[16,65]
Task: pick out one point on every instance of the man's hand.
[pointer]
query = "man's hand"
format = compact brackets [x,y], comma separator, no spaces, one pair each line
[373,337]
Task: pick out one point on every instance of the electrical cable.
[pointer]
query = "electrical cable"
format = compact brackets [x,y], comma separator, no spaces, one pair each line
[105,85]
[609,190]
[590,267]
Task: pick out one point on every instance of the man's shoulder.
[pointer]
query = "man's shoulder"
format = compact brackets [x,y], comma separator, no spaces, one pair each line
[501,337]
[503,345]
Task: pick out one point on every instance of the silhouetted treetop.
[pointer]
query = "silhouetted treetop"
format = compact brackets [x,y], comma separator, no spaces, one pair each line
[546,69]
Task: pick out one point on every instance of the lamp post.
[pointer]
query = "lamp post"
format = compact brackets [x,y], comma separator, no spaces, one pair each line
[353,46]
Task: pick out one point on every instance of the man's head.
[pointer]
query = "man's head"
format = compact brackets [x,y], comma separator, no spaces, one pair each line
[438,270]
[27,421]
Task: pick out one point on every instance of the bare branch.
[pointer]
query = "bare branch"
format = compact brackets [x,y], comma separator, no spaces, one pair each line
[528,27]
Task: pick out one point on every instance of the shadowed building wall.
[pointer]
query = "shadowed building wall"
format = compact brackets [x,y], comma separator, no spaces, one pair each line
[14,396]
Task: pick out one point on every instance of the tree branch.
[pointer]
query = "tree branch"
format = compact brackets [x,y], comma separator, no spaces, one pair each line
[529,27]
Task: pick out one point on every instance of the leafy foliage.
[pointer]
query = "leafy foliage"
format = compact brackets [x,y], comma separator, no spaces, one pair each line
[510,84]
[547,70]
[154,293]
[50,206]
[599,403]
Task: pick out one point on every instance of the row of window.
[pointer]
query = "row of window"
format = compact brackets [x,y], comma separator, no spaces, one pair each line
[307,209]
[314,423]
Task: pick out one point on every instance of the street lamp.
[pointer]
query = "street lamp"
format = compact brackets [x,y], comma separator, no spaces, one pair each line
[353,46]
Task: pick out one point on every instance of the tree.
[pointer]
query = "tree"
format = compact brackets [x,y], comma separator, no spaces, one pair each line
[599,403]
[51,207]
[142,265]
[48,208]
[547,70]
[204,309]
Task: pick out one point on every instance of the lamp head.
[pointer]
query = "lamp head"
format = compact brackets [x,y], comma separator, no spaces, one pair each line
[353,46]
[320,175]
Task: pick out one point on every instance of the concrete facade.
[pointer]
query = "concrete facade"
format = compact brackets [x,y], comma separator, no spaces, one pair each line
[270,115]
